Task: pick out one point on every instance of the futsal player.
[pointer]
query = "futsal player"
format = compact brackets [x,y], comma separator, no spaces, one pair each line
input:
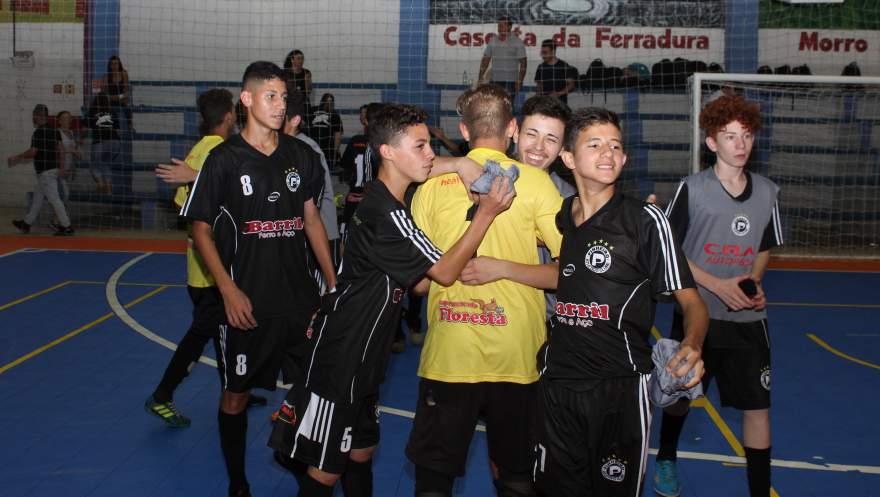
[252,208]
[728,220]
[479,355]
[218,118]
[331,421]
[617,254]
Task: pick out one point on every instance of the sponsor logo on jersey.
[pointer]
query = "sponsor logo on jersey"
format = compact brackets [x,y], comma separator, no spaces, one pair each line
[568,270]
[740,225]
[613,468]
[765,378]
[287,414]
[581,314]
[292,179]
[728,255]
[598,258]
[273,196]
[475,311]
[273,229]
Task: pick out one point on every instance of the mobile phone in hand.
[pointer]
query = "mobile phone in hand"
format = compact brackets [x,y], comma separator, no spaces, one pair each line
[748,287]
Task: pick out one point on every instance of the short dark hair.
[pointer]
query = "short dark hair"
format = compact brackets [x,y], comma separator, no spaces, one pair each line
[262,70]
[392,120]
[546,106]
[485,111]
[582,119]
[214,104]
[549,44]
[41,109]
[372,109]
[296,105]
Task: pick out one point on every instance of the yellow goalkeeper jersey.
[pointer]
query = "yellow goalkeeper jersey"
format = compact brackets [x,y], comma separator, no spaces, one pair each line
[197,274]
[491,332]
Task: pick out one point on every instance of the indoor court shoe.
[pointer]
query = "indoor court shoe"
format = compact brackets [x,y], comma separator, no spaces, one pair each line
[22,226]
[68,231]
[256,400]
[666,479]
[167,411]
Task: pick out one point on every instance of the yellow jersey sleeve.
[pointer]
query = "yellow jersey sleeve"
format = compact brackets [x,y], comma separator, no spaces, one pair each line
[197,274]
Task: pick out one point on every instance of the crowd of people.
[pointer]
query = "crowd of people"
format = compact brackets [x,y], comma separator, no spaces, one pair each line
[540,300]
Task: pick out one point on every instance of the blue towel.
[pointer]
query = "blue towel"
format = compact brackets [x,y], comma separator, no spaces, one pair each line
[665,388]
[492,170]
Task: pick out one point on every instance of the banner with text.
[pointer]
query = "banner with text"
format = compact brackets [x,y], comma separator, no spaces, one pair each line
[825,51]
[455,50]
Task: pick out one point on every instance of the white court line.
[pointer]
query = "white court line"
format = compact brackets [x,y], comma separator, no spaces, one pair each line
[19,251]
[120,311]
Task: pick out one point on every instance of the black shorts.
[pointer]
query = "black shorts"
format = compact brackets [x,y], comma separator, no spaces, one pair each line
[743,372]
[592,441]
[320,432]
[252,358]
[208,311]
[447,414]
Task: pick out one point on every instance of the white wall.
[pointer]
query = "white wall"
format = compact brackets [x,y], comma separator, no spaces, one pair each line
[58,52]
[343,40]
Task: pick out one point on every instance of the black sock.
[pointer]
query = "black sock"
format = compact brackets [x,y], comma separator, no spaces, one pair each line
[758,471]
[233,432]
[310,487]
[670,431]
[188,351]
[357,481]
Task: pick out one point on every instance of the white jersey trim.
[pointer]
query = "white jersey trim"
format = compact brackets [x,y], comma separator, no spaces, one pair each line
[409,230]
[667,245]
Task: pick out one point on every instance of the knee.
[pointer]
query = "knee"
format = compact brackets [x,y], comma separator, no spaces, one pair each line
[233,403]
[430,483]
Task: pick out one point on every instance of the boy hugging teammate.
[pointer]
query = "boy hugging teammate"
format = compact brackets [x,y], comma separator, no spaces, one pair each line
[330,421]
[594,417]
[252,208]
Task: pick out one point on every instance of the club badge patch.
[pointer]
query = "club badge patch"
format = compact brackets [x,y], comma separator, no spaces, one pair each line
[765,378]
[598,258]
[740,225]
[613,469]
[293,180]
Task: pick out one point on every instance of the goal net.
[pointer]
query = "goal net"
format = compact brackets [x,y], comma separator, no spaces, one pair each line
[820,144]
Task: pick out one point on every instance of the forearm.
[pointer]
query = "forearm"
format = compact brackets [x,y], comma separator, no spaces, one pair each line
[523,64]
[543,276]
[26,155]
[759,267]
[446,270]
[696,317]
[317,236]
[203,239]
[702,277]
[484,66]
[569,87]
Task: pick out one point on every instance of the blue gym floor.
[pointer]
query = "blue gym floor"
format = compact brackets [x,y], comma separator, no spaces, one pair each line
[82,344]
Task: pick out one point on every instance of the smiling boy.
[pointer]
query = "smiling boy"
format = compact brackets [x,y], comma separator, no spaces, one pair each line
[617,253]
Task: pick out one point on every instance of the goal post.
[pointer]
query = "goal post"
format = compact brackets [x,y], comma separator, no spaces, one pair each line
[820,144]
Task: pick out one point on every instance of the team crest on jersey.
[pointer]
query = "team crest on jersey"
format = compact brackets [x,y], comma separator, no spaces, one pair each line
[568,270]
[598,258]
[740,225]
[292,179]
[614,468]
[765,378]
[474,311]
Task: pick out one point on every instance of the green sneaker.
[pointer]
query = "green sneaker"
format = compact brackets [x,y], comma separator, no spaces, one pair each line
[666,479]
[167,411]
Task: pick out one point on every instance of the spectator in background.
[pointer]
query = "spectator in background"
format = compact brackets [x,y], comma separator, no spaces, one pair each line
[115,85]
[358,165]
[106,149]
[46,152]
[326,128]
[71,154]
[293,119]
[507,53]
[554,76]
[458,148]
[298,77]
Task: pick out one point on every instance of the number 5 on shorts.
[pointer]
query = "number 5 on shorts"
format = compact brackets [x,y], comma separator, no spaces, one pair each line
[346,440]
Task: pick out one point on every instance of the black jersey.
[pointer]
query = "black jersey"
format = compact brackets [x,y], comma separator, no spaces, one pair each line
[255,204]
[357,161]
[385,253]
[611,267]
